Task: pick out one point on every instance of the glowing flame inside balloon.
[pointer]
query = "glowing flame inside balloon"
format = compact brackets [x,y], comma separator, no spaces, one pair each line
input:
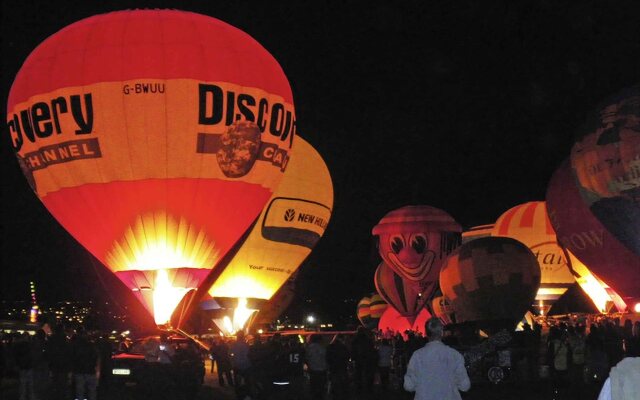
[238,320]
[159,241]
[165,297]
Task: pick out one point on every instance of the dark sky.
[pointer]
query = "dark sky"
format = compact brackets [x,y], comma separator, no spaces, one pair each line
[462,105]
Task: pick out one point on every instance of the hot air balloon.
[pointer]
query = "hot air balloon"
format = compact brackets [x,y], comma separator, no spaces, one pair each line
[477,232]
[154,137]
[491,281]
[370,309]
[414,241]
[528,223]
[393,321]
[290,225]
[581,233]
[602,296]
[407,297]
[377,306]
[606,157]
[363,312]
[606,161]
[443,310]
[278,304]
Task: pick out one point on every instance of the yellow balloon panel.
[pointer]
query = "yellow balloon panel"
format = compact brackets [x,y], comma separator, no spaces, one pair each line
[290,225]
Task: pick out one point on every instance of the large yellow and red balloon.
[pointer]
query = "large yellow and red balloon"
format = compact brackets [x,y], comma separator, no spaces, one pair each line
[490,281]
[155,137]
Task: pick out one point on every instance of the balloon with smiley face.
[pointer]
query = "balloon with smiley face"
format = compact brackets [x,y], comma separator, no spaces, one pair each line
[415,240]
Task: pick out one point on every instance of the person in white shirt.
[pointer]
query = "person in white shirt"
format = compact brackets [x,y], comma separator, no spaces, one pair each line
[623,382]
[436,371]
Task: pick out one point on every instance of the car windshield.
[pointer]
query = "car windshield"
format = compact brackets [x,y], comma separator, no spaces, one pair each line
[144,346]
[151,345]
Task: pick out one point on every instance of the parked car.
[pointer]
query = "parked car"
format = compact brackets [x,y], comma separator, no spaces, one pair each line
[160,364]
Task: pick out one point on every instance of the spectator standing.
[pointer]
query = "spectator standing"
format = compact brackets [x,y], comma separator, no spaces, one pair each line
[40,365]
[338,364]
[58,354]
[84,364]
[364,357]
[22,355]
[294,356]
[241,365]
[316,359]
[220,356]
[578,347]
[385,352]
[436,371]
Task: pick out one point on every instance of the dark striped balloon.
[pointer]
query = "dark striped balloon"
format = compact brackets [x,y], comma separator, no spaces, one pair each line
[407,297]
[491,281]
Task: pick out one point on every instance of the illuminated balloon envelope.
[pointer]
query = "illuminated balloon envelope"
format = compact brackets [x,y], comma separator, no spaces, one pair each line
[278,304]
[477,232]
[443,310]
[370,309]
[602,296]
[413,241]
[407,297]
[392,320]
[528,223]
[377,306]
[491,281]
[155,137]
[290,225]
[581,233]
[606,158]
[419,324]
[230,315]
[363,312]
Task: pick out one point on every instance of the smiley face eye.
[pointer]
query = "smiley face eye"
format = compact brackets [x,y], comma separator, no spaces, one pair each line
[419,243]
[397,244]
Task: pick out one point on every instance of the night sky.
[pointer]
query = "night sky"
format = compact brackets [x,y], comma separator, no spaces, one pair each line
[464,106]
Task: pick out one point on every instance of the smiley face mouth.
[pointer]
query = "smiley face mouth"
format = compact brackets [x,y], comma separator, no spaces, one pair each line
[417,273]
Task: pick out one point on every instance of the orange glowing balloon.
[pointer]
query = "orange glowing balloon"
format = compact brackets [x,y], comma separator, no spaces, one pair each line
[155,137]
[606,158]
[529,224]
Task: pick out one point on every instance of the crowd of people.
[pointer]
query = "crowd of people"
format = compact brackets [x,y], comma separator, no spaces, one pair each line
[58,366]
[338,364]
[65,365]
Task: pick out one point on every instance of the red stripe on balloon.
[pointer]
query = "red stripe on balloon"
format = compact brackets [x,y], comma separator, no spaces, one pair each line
[148,44]
[526,221]
[503,229]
